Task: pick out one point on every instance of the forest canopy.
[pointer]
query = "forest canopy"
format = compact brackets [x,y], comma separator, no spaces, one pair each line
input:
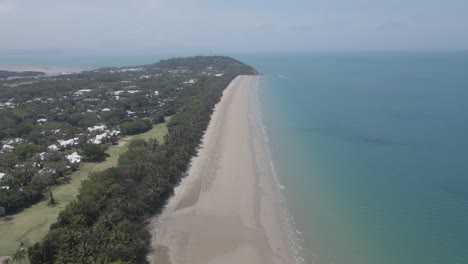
[106,222]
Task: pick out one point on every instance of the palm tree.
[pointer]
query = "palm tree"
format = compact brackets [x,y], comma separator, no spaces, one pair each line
[52,200]
[19,256]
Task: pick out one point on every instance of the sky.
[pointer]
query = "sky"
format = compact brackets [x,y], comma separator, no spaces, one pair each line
[233,26]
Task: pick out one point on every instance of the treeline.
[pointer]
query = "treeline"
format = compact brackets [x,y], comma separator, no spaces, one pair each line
[106,223]
[133,97]
[136,126]
[200,63]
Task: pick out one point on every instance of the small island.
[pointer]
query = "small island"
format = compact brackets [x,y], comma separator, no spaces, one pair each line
[14,74]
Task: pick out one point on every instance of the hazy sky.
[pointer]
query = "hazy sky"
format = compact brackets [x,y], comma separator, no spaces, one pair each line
[233,25]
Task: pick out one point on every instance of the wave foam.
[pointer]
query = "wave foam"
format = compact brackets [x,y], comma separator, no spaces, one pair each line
[294,235]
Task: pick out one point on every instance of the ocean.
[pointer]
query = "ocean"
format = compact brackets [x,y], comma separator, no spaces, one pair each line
[371,148]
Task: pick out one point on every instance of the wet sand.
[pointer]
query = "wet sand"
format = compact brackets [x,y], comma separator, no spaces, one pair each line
[226,210]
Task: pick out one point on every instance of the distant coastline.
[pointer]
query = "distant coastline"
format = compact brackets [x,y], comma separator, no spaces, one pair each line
[48,70]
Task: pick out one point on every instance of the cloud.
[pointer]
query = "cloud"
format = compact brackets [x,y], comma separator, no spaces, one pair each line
[392,26]
[7,7]
[153,4]
[243,25]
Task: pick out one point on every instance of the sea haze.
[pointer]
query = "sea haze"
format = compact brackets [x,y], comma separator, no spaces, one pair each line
[373,151]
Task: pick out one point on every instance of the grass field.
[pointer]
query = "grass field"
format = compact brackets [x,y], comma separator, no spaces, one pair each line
[32,224]
[158,132]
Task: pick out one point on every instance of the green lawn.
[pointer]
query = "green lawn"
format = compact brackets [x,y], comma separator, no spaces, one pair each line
[32,224]
[158,132]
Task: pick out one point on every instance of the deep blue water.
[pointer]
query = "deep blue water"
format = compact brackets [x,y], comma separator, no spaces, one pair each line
[373,151]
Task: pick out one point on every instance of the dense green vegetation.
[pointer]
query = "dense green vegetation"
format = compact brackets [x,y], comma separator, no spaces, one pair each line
[94,153]
[32,224]
[67,113]
[106,222]
[136,126]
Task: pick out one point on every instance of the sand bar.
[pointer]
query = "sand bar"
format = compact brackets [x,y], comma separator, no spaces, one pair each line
[45,69]
[226,210]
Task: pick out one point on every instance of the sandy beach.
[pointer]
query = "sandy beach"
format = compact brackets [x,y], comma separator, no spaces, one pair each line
[226,210]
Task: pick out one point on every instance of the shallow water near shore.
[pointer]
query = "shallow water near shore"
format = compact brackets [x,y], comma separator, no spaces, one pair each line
[373,152]
[371,148]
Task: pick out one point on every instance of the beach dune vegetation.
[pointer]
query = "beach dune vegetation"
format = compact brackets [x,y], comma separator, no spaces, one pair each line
[106,223]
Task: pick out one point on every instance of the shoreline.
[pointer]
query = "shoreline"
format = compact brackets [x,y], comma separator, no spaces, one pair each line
[290,229]
[227,209]
[48,70]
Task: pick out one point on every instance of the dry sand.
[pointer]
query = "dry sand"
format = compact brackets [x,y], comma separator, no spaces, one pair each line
[226,210]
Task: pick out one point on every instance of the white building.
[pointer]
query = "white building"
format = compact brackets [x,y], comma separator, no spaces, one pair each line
[97,128]
[74,158]
[69,142]
[53,147]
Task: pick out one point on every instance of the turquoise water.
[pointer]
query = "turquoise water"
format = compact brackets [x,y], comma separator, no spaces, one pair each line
[373,151]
